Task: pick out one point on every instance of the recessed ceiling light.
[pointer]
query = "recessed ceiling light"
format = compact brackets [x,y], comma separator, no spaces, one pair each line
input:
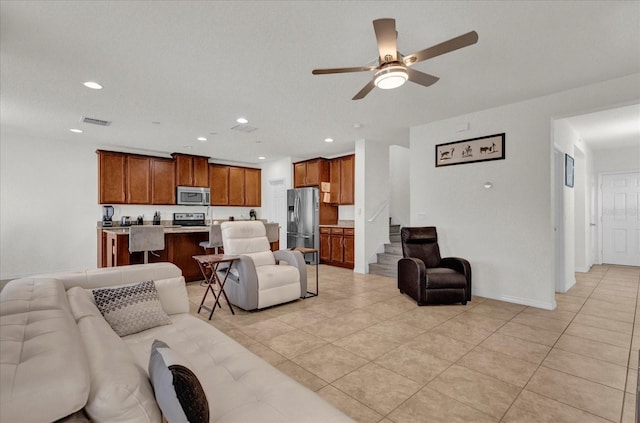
[155,122]
[261,158]
[93,85]
[242,120]
[77,131]
[328,140]
[201,139]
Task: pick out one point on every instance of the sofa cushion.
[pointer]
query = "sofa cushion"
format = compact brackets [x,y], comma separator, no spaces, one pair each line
[44,374]
[240,386]
[177,389]
[131,308]
[120,388]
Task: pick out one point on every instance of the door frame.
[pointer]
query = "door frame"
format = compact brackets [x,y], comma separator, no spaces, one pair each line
[280,218]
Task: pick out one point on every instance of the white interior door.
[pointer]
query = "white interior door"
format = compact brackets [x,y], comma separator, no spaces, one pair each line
[558,226]
[621,219]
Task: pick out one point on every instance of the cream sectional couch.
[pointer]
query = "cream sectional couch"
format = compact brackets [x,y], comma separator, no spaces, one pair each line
[59,356]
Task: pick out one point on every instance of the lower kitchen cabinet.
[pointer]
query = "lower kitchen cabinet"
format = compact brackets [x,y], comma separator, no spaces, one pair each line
[337,246]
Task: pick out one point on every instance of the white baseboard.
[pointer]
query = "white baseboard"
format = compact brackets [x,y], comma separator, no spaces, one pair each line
[583,269]
[518,300]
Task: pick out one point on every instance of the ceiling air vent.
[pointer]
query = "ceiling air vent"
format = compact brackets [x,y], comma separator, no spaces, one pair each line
[244,128]
[95,121]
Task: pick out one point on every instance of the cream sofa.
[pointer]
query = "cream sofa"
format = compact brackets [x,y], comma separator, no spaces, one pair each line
[59,356]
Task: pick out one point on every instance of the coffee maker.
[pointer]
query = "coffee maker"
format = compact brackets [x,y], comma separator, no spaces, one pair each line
[252,214]
[107,214]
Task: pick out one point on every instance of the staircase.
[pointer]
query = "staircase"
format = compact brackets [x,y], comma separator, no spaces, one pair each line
[387,264]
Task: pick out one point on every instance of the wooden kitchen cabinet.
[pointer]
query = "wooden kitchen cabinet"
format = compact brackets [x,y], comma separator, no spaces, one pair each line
[111,177]
[219,184]
[325,245]
[191,171]
[342,180]
[252,187]
[310,173]
[163,181]
[235,186]
[337,247]
[138,177]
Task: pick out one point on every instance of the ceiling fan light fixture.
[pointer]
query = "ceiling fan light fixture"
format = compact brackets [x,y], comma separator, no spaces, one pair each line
[391,77]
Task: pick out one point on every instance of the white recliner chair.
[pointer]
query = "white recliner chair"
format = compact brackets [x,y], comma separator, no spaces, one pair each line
[261,278]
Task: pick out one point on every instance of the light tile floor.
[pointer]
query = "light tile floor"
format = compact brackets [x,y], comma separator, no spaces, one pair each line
[378,357]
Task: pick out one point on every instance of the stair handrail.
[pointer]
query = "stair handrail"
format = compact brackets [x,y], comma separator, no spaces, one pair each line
[377,213]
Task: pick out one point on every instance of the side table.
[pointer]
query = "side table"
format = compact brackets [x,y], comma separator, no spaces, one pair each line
[313,251]
[211,262]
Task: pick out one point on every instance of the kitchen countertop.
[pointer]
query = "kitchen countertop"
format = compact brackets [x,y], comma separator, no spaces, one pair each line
[273,231]
[340,224]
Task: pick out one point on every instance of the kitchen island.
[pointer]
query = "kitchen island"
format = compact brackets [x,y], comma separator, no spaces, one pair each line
[181,244]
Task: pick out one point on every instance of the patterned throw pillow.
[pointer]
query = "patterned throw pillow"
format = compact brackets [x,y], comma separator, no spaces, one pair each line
[132,308]
[177,389]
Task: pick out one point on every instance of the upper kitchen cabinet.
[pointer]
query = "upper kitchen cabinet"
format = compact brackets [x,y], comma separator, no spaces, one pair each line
[252,187]
[219,184]
[342,180]
[191,171]
[163,181]
[111,177]
[138,180]
[235,186]
[310,173]
[134,179]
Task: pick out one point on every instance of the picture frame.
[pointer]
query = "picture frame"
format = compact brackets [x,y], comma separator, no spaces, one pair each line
[481,149]
[568,170]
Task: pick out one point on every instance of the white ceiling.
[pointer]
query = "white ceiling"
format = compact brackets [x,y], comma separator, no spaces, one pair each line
[614,128]
[197,66]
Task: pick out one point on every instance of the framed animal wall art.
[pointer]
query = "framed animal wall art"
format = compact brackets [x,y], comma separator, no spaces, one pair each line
[473,150]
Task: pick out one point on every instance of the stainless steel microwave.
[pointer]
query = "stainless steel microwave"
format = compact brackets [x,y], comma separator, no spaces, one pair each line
[193,196]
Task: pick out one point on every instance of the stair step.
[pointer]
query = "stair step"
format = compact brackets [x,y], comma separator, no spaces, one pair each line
[393,248]
[383,270]
[390,259]
[394,229]
[394,237]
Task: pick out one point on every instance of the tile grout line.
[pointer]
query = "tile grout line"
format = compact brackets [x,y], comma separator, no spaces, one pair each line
[626,378]
[547,355]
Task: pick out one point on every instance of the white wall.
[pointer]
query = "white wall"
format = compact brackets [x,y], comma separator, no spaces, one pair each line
[48,206]
[506,232]
[399,180]
[617,160]
[371,192]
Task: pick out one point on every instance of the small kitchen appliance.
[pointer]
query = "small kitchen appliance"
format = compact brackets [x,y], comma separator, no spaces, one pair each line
[156,218]
[125,221]
[252,214]
[193,196]
[107,214]
[188,219]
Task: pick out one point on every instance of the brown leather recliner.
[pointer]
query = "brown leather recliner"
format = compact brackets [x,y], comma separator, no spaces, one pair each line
[425,276]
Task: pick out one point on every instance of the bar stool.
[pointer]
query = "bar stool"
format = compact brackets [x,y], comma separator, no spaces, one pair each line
[215,239]
[146,238]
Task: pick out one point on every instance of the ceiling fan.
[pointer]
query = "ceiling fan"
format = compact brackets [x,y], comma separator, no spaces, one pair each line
[393,68]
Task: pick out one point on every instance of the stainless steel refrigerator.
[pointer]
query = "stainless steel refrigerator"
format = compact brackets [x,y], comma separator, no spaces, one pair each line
[303,208]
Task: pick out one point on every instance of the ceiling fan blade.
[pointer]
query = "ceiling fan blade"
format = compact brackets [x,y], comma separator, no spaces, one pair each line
[421,78]
[343,70]
[364,91]
[445,47]
[386,35]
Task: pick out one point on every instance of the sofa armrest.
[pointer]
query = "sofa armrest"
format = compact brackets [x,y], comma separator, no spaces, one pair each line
[412,278]
[244,293]
[296,259]
[460,265]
